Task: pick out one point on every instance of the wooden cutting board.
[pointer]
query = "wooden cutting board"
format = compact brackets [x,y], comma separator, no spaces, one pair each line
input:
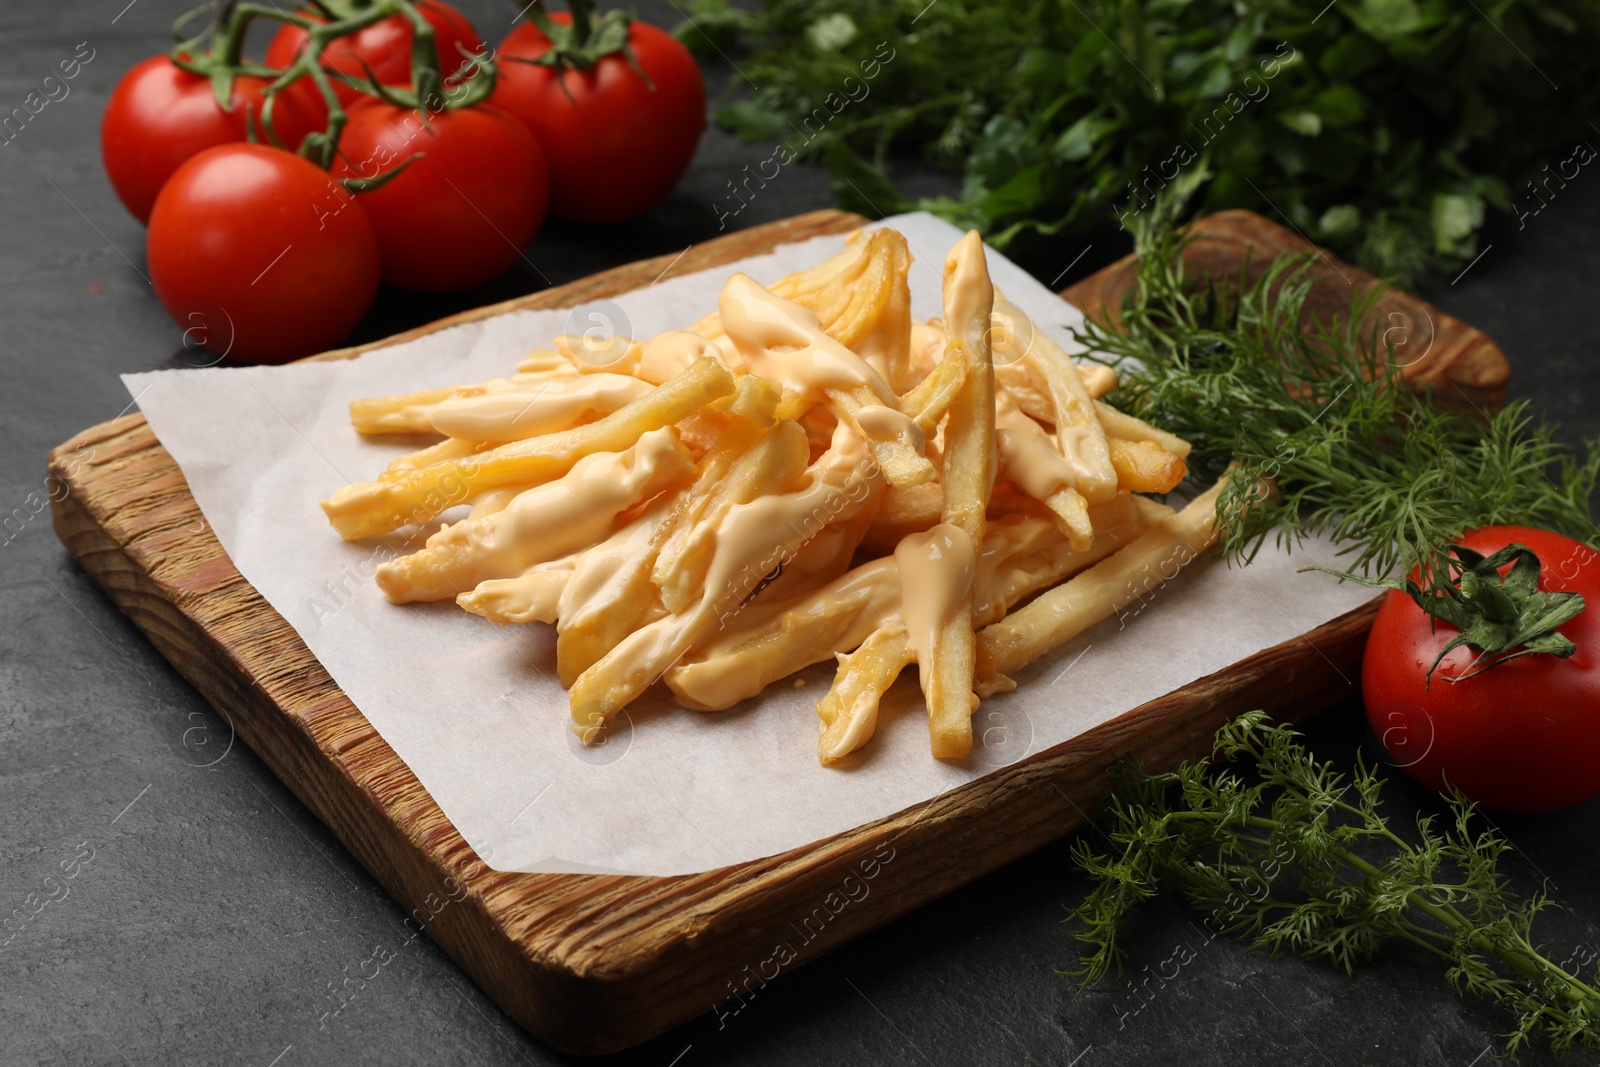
[591,964]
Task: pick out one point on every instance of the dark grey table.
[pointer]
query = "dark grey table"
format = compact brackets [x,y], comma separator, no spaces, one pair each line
[211,916]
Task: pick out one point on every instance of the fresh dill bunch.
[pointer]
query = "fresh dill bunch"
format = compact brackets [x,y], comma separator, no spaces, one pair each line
[1292,857]
[1246,372]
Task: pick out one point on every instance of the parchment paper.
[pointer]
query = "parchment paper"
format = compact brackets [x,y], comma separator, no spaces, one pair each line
[476,711]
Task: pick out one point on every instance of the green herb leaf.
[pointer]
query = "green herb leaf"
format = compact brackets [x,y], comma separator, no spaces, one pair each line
[1243,370]
[1415,113]
[1284,854]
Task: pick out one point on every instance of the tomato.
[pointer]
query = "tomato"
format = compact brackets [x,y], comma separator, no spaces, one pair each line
[461,213]
[160,114]
[260,255]
[1523,735]
[616,143]
[384,46]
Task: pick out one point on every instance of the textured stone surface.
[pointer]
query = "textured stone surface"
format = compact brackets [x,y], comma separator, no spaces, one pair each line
[214,918]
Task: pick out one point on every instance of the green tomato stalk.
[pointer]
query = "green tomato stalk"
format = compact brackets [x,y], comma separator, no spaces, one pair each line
[216,52]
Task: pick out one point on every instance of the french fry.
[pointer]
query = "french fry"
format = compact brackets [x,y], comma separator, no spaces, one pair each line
[534,408]
[657,360]
[774,641]
[849,711]
[545,361]
[749,540]
[610,593]
[448,449]
[896,442]
[1021,555]
[1119,424]
[785,342]
[1145,467]
[820,560]
[854,294]
[877,325]
[939,619]
[421,494]
[929,400]
[543,523]
[1098,379]
[407,413]
[772,465]
[1030,460]
[534,596]
[1082,441]
[1060,614]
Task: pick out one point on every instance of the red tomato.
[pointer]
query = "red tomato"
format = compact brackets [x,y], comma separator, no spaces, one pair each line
[1522,736]
[616,143]
[260,255]
[385,47]
[464,211]
[159,115]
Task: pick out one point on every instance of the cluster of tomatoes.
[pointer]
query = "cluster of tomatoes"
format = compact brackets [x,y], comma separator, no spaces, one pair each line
[279,194]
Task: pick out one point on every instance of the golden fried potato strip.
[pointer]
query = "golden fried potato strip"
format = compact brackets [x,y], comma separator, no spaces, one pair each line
[406,413]
[448,449]
[1120,424]
[1060,614]
[748,542]
[773,464]
[1021,555]
[421,494]
[946,656]
[1078,430]
[541,524]
[610,593]
[849,711]
[1145,467]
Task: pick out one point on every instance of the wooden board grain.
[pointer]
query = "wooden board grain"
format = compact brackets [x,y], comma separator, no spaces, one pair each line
[592,964]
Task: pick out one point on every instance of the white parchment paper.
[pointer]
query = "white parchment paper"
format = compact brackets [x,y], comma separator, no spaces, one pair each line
[476,711]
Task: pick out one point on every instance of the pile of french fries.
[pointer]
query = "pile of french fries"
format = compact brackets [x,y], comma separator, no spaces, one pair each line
[805,474]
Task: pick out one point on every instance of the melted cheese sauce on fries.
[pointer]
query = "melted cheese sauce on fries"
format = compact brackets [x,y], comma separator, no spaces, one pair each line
[804,475]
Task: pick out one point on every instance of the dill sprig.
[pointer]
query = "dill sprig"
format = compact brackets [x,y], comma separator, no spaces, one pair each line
[1295,858]
[1246,372]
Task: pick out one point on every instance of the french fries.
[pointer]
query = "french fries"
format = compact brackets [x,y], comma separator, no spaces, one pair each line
[1060,614]
[804,475]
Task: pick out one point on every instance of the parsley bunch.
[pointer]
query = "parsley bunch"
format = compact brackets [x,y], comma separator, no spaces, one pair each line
[1382,128]
[1291,857]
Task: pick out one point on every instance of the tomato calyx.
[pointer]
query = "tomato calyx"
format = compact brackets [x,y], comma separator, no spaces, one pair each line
[1500,617]
[584,41]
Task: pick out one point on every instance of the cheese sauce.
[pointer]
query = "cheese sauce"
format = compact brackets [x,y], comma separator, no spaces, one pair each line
[1028,456]
[936,571]
[543,523]
[749,540]
[879,423]
[784,342]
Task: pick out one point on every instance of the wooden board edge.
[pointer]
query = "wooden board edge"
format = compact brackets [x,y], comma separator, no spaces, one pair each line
[1463,366]
[640,985]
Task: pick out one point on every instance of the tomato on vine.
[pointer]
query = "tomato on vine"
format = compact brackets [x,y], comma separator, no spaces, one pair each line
[469,198]
[160,115]
[618,105]
[259,255]
[382,49]
[1494,689]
